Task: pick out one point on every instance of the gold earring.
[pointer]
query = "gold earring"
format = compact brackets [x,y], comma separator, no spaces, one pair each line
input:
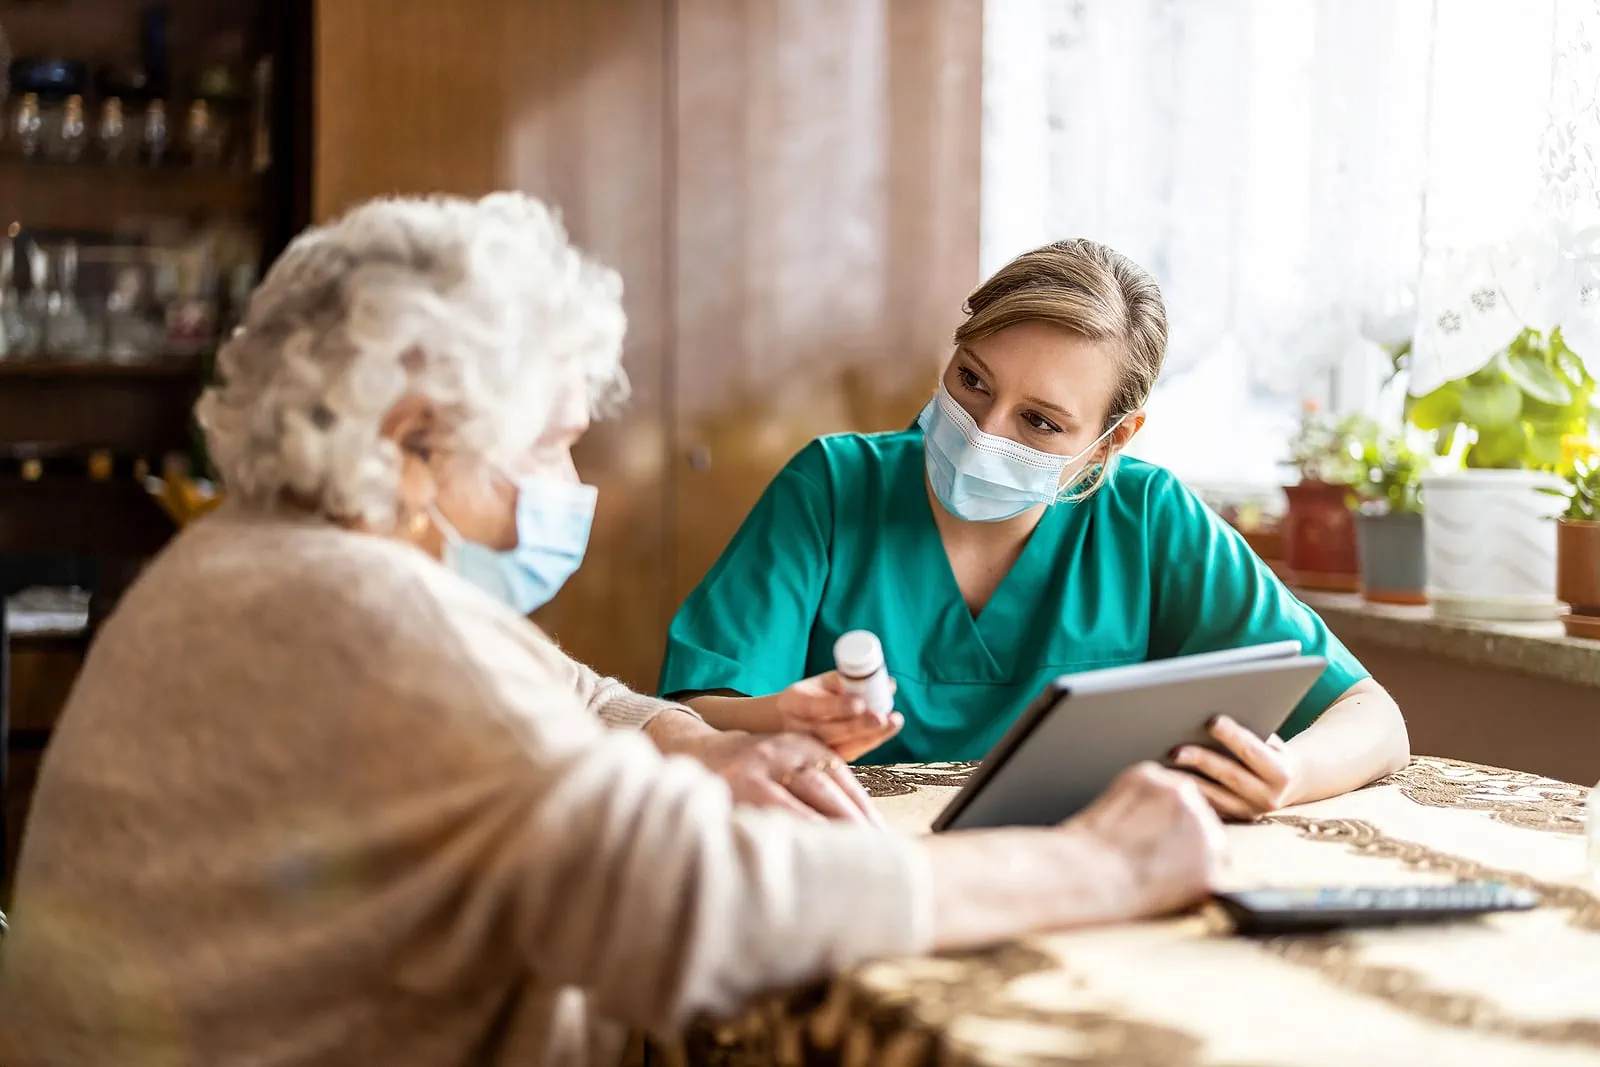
[418,523]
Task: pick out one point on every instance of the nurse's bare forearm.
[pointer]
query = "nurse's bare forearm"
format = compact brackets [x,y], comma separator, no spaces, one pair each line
[997,884]
[1361,737]
[728,710]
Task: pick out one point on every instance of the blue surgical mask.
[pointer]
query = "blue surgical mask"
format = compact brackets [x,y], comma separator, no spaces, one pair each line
[983,478]
[554,518]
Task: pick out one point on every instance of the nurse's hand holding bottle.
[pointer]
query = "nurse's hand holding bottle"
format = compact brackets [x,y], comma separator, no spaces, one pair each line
[850,710]
[823,707]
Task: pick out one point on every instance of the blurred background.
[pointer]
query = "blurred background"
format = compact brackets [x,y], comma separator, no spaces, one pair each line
[1371,219]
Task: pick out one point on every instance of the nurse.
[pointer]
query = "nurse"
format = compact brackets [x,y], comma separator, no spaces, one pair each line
[1004,540]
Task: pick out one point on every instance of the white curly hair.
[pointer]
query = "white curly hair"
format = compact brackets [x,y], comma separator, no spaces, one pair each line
[482,307]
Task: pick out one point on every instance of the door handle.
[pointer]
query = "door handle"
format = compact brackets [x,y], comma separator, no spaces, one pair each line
[700,458]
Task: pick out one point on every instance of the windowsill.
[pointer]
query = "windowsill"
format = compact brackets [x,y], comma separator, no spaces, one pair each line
[1540,649]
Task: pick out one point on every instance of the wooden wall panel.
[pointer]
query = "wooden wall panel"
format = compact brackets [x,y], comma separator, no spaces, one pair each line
[409,99]
[827,232]
[789,187]
[563,99]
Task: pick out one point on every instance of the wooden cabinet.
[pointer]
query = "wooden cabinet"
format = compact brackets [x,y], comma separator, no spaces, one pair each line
[788,187]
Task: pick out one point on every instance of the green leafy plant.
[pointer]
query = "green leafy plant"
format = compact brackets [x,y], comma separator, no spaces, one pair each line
[1330,450]
[1393,475]
[1582,491]
[1518,411]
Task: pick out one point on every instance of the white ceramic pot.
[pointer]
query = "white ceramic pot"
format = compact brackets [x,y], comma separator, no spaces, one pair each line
[1491,543]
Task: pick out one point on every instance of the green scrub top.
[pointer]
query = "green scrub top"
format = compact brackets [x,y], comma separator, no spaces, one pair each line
[844,539]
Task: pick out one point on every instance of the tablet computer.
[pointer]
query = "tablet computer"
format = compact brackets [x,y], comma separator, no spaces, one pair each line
[1085,729]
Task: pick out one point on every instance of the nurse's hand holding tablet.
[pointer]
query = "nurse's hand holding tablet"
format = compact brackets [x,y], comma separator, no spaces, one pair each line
[1263,777]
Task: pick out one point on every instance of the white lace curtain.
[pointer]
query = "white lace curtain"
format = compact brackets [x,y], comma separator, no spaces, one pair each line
[1300,175]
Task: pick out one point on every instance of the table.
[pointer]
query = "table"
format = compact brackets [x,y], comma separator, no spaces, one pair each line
[1520,989]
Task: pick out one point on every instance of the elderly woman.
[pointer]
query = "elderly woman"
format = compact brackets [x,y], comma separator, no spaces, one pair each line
[323,795]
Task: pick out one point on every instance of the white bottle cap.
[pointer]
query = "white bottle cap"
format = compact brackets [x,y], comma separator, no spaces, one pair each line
[858,654]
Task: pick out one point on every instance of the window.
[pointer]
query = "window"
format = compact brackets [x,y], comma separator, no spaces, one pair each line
[1290,170]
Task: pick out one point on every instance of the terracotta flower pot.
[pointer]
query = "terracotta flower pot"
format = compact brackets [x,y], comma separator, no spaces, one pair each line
[1394,563]
[1319,538]
[1578,576]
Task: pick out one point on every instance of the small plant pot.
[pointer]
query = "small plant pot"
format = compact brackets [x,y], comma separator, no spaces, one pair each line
[1491,543]
[1319,538]
[1266,543]
[1578,576]
[1394,560]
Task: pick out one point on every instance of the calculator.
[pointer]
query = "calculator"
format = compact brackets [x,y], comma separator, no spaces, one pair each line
[1297,911]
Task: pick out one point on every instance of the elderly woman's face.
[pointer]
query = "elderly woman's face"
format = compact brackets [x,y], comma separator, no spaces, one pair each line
[478,497]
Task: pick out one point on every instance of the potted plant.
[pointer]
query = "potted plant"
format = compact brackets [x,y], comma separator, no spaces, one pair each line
[1319,538]
[1389,535]
[1491,538]
[1578,551]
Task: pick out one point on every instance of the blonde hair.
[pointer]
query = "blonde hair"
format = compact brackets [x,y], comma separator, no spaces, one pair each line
[1089,290]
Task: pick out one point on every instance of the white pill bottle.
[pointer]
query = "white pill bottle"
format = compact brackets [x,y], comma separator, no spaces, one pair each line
[858,656]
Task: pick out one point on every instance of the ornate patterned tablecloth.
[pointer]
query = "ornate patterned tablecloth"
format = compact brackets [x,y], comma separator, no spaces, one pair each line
[1520,989]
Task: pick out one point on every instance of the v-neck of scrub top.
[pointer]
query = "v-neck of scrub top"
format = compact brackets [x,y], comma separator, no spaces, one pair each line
[999,630]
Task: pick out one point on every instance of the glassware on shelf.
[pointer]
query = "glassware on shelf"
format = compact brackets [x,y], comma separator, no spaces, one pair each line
[36,305]
[192,311]
[112,132]
[13,330]
[155,138]
[130,335]
[68,133]
[27,125]
[67,331]
[203,135]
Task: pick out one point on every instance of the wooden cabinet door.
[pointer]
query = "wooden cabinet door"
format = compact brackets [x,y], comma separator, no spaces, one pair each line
[789,188]
[564,99]
[827,158]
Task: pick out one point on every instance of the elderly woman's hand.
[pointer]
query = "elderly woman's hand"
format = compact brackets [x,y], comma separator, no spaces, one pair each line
[788,771]
[822,708]
[1156,824]
[1148,846]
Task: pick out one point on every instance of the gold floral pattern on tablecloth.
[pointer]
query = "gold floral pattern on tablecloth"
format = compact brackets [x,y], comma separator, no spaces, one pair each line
[899,780]
[962,1011]
[901,1020]
[1338,961]
[1512,797]
[1583,907]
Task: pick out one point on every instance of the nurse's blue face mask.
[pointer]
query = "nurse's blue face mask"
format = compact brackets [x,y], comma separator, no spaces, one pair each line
[983,478]
[554,518]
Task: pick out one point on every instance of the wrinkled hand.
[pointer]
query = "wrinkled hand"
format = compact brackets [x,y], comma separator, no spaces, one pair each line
[1168,842]
[1263,778]
[820,707]
[789,771]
